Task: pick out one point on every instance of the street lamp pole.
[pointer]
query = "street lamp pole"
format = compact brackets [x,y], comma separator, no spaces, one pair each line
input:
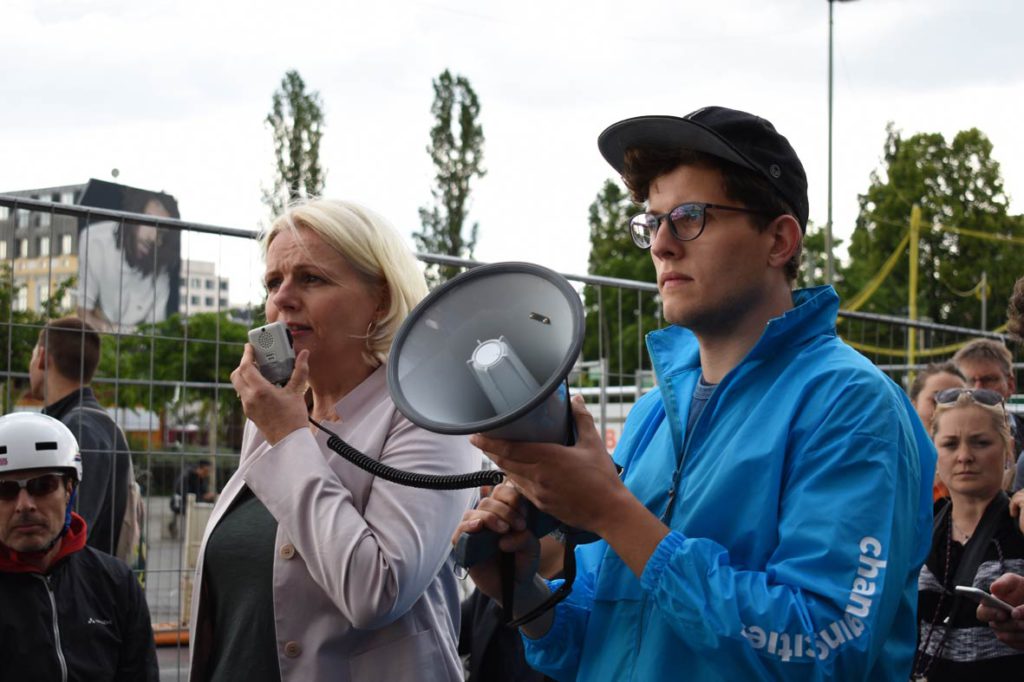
[830,266]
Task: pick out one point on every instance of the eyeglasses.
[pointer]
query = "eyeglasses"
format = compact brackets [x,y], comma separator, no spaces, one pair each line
[40,486]
[978,395]
[685,222]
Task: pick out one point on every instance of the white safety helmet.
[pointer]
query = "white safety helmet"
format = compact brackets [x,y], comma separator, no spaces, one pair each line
[29,440]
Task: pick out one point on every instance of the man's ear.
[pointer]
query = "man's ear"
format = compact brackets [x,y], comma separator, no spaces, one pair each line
[786,239]
[40,357]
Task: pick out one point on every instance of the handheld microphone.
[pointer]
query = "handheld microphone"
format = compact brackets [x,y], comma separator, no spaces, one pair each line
[272,344]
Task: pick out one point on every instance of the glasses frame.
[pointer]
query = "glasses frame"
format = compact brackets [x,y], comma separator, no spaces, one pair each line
[982,396]
[664,217]
[33,485]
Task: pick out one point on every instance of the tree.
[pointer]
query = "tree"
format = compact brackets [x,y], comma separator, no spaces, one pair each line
[203,348]
[957,185]
[296,120]
[457,151]
[617,318]
[19,331]
[813,259]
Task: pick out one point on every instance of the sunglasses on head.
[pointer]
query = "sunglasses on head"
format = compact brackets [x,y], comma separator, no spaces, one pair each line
[39,486]
[978,395]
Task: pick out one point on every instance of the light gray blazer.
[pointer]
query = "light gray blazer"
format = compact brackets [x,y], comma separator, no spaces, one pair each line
[363,583]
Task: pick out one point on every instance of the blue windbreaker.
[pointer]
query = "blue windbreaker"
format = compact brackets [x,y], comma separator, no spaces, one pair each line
[801,516]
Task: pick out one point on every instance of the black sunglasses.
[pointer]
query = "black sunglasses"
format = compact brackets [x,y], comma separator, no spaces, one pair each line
[40,486]
[685,222]
[978,395]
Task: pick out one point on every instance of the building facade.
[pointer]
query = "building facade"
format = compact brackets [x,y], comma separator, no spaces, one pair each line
[202,289]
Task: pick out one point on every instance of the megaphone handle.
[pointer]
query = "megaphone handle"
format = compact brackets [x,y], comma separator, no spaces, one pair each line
[472,548]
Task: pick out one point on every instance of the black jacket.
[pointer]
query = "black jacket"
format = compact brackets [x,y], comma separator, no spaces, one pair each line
[103,492]
[102,622]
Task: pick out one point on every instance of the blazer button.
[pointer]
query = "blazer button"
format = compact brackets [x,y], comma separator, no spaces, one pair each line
[292,649]
[287,551]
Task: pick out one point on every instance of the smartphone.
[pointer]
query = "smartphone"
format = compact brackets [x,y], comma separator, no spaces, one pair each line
[983,597]
[272,345]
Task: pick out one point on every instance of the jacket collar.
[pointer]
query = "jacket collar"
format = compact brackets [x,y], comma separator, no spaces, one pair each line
[675,349]
[83,396]
[12,561]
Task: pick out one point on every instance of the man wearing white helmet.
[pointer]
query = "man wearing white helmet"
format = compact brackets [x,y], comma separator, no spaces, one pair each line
[69,612]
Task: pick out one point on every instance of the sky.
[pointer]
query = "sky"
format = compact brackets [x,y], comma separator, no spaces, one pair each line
[173,94]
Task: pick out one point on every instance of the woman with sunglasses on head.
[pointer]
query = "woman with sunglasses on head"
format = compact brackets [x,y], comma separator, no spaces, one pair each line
[929,381]
[974,540]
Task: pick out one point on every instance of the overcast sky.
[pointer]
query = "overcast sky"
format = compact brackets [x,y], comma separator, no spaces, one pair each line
[173,93]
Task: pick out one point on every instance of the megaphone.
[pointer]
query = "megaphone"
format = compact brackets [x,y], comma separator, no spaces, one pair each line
[488,352]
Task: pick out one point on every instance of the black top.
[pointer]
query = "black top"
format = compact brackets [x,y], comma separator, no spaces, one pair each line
[495,650]
[239,571]
[102,622]
[106,461]
[968,648]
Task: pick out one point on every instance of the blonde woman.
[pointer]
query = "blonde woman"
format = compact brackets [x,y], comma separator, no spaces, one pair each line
[974,540]
[312,569]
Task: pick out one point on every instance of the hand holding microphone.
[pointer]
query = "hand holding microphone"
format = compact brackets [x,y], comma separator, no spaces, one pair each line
[276,411]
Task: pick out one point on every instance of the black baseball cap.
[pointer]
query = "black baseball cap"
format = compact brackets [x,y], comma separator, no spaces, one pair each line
[736,136]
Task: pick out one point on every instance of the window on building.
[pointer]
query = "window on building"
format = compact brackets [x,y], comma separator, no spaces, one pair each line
[223,285]
[196,282]
[3,250]
[4,213]
[22,248]
[22,219]
[67,197]
[42,293]
[209,301]
[223,303]
[44,218]
[194,300]
[44,246]
[21,302]
[65,244]
[209,284]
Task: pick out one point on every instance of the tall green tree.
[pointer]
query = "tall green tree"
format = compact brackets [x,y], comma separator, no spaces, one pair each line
[457,151]
[296,120]
[956,183]
[617,318]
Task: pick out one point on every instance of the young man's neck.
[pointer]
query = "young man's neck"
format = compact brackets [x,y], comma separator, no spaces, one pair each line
[723,349]
[57,388]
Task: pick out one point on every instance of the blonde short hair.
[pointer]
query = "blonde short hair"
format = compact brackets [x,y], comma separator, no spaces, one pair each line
[373,248]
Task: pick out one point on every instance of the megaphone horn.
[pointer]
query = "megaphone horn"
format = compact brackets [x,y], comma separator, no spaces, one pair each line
[488,351]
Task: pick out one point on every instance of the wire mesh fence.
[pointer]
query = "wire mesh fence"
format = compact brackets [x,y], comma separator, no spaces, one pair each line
[170,344]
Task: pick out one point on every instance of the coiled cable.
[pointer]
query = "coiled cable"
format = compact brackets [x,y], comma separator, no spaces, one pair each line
[407,478]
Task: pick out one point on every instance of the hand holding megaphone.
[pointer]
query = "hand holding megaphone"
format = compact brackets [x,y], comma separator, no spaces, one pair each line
[571,483]
[503,516]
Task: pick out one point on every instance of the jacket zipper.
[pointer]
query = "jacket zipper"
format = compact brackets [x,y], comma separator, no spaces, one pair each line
[56,628]
[676,478]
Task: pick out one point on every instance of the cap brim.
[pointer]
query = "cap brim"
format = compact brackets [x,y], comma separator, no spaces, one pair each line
[664,131]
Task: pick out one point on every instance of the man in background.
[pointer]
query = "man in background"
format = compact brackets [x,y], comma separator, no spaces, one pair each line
[194,480]
[60,371]
[69,612]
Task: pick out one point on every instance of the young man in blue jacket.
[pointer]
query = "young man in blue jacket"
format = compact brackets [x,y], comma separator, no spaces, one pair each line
[774,506]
